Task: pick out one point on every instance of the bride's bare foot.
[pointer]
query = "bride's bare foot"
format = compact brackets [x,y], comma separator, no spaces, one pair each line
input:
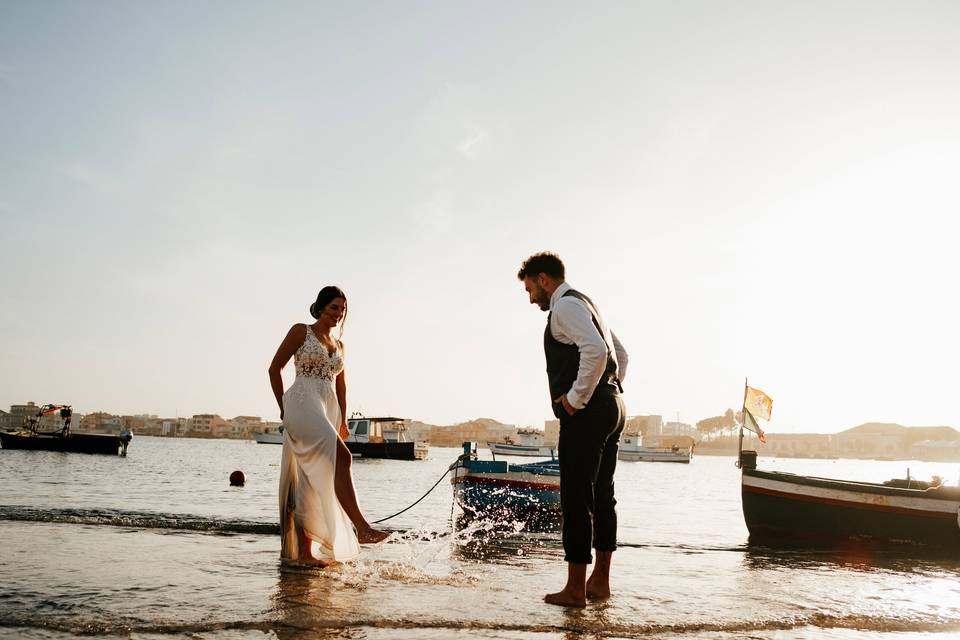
[566,599]
[309,561]
[305,557]
[369,535]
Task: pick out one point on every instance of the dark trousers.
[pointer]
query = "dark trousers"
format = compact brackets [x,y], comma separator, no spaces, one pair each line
[589,441]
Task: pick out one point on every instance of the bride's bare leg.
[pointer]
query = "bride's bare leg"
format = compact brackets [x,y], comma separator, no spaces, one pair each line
[305,553]
[347,495]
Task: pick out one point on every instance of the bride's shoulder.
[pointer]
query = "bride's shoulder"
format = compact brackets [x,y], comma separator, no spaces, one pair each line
[298,330]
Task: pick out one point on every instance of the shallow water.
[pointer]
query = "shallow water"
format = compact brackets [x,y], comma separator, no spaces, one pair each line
[157,544]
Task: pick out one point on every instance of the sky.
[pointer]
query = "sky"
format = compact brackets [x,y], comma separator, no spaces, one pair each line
[747,189]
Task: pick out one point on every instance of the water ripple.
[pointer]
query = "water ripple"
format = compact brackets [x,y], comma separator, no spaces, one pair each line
[138,520]
[127,625]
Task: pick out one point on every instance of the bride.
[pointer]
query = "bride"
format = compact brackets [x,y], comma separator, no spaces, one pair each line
[320,520]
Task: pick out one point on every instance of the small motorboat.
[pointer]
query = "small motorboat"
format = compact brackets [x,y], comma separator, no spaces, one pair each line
[382,438]
[530,445]
[501,490]
[632,449]
[33,438]
[269,437]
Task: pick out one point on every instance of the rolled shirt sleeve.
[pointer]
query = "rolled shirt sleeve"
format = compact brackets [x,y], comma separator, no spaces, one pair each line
[573,321]
[622,357]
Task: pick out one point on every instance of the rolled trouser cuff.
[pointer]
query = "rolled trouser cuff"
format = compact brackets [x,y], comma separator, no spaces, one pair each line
[577,559]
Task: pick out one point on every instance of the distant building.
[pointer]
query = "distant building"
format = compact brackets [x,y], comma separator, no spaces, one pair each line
[246,426]
[140,424]
[481,431]
[680,429]
[868,445]
[936,450]
[18,415]
[551,433]
[101,422]
[271,427]
[418,431]
[647,426]
[168,427]
[799,445]
[209,425]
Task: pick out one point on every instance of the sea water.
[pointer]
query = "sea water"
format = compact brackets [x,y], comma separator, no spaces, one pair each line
[158,545]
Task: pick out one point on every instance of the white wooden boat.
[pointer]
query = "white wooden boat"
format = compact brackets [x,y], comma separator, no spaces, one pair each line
[384,437]
[271,437]
[530,451]
[784,507]
[529,443]
[632,450]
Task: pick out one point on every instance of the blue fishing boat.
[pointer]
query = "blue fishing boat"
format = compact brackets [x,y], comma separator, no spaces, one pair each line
[500,490]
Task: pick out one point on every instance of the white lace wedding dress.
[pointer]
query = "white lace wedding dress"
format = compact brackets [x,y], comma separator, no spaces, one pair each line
[311,417]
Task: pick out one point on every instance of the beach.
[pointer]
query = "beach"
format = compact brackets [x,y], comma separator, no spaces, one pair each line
[158,545]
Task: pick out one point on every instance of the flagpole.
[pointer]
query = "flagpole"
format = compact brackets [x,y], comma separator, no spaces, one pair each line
[743,408]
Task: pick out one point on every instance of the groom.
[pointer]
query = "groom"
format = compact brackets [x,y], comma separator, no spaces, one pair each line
[585,364]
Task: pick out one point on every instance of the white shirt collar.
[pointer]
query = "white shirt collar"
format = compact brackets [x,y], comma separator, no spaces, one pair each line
[558,293]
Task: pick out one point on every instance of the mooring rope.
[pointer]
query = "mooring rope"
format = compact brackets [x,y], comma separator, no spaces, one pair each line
[449,469]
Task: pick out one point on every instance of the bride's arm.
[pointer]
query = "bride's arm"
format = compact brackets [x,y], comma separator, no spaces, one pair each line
[342,400]
[285,351]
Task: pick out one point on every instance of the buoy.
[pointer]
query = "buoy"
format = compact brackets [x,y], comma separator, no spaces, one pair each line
[237,479]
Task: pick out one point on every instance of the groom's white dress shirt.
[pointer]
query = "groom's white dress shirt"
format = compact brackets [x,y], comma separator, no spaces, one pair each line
[572,323]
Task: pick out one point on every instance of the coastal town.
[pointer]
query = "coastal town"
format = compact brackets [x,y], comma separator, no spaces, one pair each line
[716,435]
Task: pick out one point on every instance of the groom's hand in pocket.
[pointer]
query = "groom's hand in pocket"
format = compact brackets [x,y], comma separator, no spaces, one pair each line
[566,404]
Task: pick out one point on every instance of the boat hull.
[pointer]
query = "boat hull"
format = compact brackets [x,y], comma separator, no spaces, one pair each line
[790,508]
[500,491]
[73,443]
[384,450]
[654,455]
[268,438]
[530,451]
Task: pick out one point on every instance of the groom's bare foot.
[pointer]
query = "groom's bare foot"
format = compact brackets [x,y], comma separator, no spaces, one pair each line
[598,589]
[566,598]
[369,535]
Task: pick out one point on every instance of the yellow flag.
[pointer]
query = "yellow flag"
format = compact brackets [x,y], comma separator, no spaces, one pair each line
[759,404]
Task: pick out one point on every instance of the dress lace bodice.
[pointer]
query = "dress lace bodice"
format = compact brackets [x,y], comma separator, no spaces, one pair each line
[312,359]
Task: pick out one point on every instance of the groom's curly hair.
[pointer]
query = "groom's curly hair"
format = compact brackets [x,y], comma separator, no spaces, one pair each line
[544,262]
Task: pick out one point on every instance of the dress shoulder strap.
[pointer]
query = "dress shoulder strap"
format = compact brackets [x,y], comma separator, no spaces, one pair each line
[307,334]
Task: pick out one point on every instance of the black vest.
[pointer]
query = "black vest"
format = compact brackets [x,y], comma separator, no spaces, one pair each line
[563,360]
